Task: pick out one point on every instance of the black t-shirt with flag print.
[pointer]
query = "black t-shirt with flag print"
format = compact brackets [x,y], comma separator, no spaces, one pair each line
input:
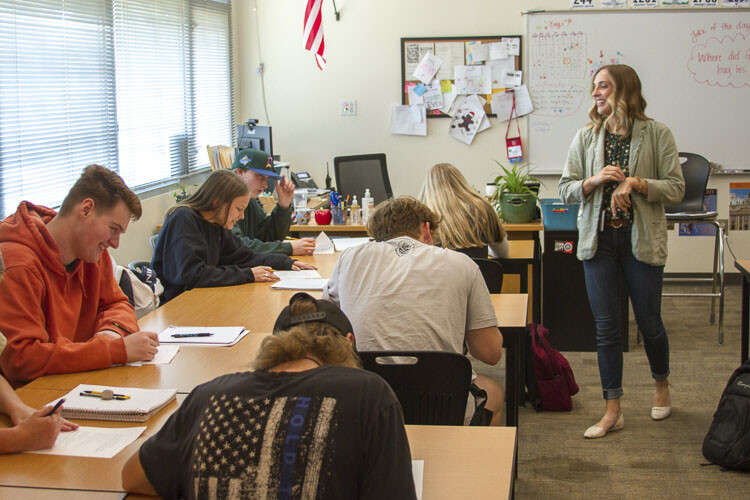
[330,432]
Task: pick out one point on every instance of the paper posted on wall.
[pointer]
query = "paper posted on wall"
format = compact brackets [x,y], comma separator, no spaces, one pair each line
[467,119]
[433,95]
[514,45]
[409,120]
[473,79]
[499,68]
[427,68]
[502,102]
[512,78]
[476,52]
[499,50]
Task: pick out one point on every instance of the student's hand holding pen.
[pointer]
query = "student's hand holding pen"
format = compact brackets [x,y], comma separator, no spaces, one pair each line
[38,431]
[141,346]
[264,273]
[303,246]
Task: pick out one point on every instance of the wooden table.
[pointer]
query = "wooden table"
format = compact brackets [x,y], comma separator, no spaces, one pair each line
[510,310]
[525,255]
[744,267]
[460,462]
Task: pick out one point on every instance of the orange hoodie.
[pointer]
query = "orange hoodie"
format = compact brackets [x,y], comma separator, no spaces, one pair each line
[50,315]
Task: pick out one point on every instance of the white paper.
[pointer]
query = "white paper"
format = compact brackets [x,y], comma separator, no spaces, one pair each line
[476,52]
[413,54]
[415,98]
[406,120]
[295,284]
[499,50]
[473,79]
[304,274]
[499,68]
[512,78]
[140,401]
[427,68]
[433,97]
[95,442]
[342,244]
[164,355]
[514,45]
[417,471]
[502,103]
[468,117]
[323,244]
[223,335]
[452,54]
[203,344]
[448,100]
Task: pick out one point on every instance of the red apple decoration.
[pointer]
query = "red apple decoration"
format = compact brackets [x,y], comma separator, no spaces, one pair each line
[323,217]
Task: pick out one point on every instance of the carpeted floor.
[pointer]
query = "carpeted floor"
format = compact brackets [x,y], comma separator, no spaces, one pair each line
[647,459]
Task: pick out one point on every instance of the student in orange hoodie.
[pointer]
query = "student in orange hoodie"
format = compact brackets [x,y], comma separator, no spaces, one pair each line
[60,307]
[34,429]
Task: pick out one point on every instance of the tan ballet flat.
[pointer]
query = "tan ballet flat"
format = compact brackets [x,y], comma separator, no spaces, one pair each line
[596,432]
[660,412]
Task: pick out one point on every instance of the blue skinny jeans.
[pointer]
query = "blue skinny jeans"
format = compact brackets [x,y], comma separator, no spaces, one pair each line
[610,273]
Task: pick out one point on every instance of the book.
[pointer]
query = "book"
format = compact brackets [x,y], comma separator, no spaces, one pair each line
[141,405]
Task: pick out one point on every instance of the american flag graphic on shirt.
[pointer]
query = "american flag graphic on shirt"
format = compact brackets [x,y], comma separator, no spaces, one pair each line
[264,448]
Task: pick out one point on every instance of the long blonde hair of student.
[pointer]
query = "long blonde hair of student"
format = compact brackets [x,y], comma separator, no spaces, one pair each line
[626,100]
[468,220]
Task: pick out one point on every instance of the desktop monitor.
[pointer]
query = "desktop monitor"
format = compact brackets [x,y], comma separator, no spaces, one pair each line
[256,137]
[356,173]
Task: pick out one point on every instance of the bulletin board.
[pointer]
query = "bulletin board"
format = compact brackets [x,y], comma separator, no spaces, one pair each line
[453,51]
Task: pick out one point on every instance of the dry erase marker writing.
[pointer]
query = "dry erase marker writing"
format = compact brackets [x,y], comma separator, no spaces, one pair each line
[118,325]
[54,408]
[105,394]
[186,335]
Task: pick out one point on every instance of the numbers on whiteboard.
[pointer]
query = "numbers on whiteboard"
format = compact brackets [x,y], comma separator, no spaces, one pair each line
[644,3]
[705,3]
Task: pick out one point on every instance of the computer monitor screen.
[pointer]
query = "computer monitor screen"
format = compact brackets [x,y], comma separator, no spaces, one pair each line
[354,174]
[256,137]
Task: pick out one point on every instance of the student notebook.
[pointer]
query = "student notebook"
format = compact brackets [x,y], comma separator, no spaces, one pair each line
[142,404]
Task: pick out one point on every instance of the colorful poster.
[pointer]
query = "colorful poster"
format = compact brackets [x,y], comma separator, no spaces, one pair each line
[739,206]
[701,228]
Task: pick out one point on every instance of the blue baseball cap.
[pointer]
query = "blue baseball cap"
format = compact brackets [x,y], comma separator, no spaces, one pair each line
[257,161]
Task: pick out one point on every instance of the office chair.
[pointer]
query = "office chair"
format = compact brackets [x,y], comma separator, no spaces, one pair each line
[695,170]
[492,272]
[432,391]
[356,173]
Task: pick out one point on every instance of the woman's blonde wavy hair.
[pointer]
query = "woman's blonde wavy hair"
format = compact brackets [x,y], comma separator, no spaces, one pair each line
[468,220]
[318,339]
[626,100]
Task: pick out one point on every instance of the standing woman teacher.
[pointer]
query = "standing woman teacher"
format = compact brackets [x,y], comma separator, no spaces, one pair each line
[623,167]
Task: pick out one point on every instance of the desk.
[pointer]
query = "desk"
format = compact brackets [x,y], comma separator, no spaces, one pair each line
[510,310]
[744,267]
[313,229]
[524,254]
[460,462]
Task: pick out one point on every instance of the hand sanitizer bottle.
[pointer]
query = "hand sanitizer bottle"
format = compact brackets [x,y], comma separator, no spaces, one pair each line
[367,205]
[354,219]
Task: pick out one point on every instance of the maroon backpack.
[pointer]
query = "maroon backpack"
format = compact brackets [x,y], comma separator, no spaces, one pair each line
[553,373]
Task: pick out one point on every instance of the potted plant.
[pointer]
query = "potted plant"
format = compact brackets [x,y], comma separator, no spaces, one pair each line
[179,192]
[514,197]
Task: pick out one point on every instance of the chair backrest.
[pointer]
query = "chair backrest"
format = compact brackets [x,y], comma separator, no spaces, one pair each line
[432,391]
[695,170]
[492,272]
[356,173]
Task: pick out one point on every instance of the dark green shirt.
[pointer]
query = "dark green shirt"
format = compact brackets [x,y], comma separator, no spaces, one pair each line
[265,233]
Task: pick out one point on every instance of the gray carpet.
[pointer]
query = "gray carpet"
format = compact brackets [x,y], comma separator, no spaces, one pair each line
[647,459]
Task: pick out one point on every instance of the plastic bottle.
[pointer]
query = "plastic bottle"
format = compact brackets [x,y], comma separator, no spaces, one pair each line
[367,205]
[354,218]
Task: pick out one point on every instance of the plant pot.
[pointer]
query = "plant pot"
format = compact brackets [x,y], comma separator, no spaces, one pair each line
[517,208]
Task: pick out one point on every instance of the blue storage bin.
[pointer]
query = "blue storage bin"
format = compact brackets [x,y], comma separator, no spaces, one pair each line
[559,216]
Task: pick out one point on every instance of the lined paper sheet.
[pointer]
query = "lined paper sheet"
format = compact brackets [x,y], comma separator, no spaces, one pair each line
[222,335]
[164,356]
[295,284]
[95,442]
[304,274]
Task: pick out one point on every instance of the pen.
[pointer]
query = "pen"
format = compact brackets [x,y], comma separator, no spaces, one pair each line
[54,408]
[186,335]
[103,395]
[118,325]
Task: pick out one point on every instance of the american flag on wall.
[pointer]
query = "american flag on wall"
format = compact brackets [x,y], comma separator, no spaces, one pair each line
[264,448]
[313,33]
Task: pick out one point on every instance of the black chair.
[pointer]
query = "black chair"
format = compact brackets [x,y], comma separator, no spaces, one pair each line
[433,388]
[356,173]
[492,272]
[696,170]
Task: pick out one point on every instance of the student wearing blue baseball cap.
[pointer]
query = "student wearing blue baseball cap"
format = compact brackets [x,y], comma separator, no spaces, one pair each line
[265,233]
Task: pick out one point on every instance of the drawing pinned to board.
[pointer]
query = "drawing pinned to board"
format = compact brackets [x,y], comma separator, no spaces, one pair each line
[427,68]
[502,103]
[467,119]
[739,206]
[722,61]
[473,79]
[476,52]
[433,96]
[413,54]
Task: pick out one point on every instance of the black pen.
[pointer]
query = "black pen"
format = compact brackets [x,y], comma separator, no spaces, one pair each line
[186,335]
[118,325]
[54,408]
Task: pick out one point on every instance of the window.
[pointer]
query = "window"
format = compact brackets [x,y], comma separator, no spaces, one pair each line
[140,86]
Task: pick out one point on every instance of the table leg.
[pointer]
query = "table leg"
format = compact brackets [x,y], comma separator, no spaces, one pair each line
[745,320]
[513,391]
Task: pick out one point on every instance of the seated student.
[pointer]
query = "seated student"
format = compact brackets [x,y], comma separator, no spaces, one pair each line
[265,233]
[196,247]
[468,223]
[33,430]
[402,293]
[309,423]
[60,307]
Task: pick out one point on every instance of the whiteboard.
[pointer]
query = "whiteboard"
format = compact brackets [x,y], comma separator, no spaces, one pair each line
[694,67]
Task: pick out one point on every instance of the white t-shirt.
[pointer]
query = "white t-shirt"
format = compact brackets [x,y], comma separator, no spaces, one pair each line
[402,294]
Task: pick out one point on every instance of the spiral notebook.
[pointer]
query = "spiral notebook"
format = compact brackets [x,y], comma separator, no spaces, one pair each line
[139,407]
